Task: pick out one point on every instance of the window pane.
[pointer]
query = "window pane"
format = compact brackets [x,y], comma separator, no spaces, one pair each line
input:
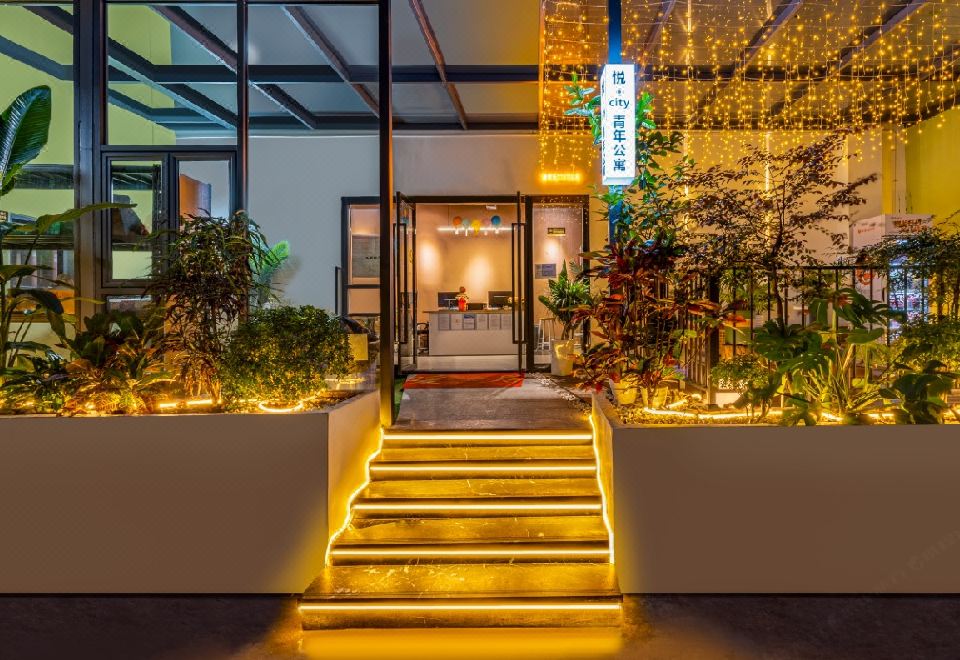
[140,183]
[204,188]
[35,51]
[172,73]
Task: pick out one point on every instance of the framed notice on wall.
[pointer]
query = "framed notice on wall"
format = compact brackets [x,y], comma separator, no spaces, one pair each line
[365,256]
[544,271]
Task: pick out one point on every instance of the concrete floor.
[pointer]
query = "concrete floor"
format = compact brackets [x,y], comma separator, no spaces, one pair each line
[537,404]
[657,628]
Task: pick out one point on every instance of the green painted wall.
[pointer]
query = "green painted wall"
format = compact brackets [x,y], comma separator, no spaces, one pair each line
[138,28]
[933,166]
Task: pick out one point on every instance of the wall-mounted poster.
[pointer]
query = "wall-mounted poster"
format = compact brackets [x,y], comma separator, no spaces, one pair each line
[469,321]
[365,256]
[544,271]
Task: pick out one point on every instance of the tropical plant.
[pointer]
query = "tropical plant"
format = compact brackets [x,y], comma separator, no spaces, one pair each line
[24,130]
[920,393]
[565,295]
[645,317]
[282,356]
[204,281]
[39,385]
[816,364]
[116,365]
[759,215]
[921,340]
[271,261]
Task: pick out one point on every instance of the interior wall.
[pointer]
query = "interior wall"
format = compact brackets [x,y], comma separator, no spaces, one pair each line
[445,261]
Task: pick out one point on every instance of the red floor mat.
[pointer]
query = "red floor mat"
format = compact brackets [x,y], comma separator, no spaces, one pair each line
[463,381]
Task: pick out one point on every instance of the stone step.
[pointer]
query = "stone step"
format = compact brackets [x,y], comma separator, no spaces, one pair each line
[476,612]
[493,528]
[482,488]
[391,454]
[521,551]
[552,581]
[456,507]
[485,439]
[503,469]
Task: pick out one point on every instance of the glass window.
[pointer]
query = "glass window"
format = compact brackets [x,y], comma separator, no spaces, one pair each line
[36,50]
[172,73]
[203,188]
[138,182]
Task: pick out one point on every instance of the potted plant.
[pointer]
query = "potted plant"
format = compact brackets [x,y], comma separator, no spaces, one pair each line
[565,295]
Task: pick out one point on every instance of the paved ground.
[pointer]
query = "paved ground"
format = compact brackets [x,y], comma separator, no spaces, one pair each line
[658,628]
[537,404]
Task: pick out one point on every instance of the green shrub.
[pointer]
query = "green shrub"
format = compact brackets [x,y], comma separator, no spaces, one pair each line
[740,372]
[282,356]
[930,339]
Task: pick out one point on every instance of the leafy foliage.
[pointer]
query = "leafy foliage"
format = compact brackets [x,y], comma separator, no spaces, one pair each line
[760,214]
[566,294]
[116,365]
[283,356]
[816,364]
[645,318]
[40,384]
[931,254]
[922,340]
[24,130]
[920,393]
[204,283]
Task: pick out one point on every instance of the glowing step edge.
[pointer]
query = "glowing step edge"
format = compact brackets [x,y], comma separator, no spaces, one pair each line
[453,507]
[455,552]
[505,435]
[458,607]
[585,468]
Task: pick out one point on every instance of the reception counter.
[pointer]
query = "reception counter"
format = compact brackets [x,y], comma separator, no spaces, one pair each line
[482,332]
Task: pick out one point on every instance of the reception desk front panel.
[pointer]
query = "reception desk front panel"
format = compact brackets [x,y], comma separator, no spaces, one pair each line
[486,332]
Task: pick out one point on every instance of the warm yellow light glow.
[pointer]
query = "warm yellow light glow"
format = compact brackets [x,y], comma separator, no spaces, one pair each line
[605,512]
[508,469]
[453,506]
[268,409]
[350,502]
[466,553]
[559,437]
[459,607]
[561,177]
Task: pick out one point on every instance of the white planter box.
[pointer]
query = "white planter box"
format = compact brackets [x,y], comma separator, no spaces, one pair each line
[177,503]
[739,509]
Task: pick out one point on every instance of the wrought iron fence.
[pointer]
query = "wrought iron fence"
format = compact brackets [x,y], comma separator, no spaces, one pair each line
[760,296]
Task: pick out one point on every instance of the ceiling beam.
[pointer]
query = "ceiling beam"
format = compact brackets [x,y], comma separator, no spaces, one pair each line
[216,47]
[312,32]
[897,14]
[433,45]
[653,34]
[140,69]
[786,10]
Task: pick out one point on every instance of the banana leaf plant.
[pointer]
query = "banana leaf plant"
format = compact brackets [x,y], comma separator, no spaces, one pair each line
[24,131]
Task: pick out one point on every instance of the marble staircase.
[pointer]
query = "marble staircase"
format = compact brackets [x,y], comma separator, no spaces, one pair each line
[491,529]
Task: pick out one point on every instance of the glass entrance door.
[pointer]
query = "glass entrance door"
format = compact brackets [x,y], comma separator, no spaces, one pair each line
[558,233]
[520,287]
[405,285]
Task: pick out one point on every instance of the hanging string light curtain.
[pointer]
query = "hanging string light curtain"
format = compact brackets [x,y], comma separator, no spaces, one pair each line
[573,41]
[773,66]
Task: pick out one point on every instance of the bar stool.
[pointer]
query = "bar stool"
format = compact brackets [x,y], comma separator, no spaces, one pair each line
[546,332]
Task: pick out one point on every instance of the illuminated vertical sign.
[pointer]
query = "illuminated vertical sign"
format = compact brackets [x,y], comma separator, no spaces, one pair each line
[618,99]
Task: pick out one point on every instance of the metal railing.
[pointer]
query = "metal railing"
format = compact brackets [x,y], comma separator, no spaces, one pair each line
[760,296]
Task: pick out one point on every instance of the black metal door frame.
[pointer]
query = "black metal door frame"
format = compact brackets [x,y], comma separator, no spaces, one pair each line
[530,201]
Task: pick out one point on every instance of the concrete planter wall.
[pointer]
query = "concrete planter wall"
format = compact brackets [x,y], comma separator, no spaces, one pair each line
[179,503]
[735,509]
